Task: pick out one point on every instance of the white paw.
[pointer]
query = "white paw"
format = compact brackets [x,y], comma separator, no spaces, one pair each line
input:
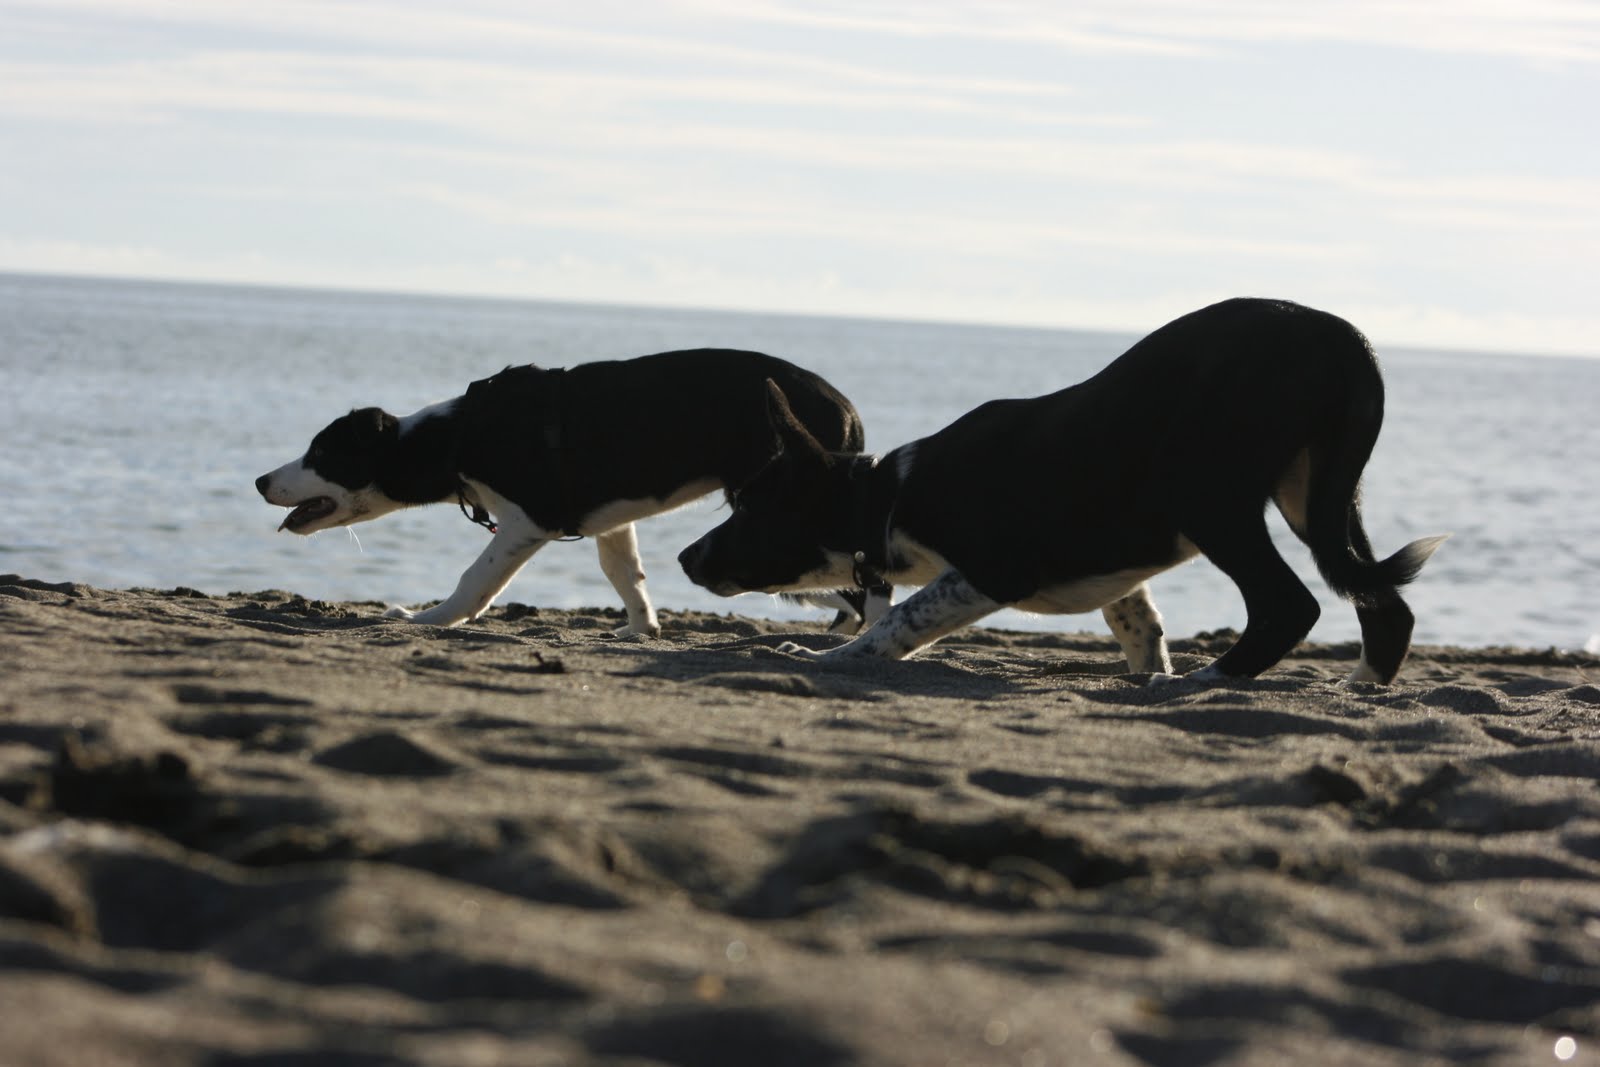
[434,616]
[1203,676]
[792,649]
[629,630]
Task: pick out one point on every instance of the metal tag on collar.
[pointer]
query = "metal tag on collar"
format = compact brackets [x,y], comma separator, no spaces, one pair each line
[861,574]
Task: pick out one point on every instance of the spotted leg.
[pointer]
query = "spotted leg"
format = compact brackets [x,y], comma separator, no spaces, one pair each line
[943,606]
[1136,624]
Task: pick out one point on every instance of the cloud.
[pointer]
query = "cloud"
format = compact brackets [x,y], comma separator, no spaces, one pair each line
[1530,30]
[936,158]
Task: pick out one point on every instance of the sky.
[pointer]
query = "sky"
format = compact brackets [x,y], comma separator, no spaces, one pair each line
[1428,170]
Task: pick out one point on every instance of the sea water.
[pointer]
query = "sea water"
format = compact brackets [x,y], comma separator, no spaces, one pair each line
[135,417]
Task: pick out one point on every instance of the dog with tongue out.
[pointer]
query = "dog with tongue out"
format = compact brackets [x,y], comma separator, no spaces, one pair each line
[536,455]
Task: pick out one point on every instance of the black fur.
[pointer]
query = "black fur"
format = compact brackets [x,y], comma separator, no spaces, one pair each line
[1184,438]
[562,443]
[586,450]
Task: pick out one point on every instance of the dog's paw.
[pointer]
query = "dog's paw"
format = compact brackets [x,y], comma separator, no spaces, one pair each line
[790,648]
[629,631]
[1204,675]
[433,616]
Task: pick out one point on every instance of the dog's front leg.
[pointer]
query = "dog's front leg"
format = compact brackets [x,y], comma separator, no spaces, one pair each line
[943,606]
[1136,624]
[619,559]
[512,546]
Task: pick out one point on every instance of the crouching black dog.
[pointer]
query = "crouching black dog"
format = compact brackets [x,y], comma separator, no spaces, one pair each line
[1069,502]
[543,454]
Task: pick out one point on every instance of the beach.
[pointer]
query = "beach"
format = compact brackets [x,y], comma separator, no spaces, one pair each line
[254,829]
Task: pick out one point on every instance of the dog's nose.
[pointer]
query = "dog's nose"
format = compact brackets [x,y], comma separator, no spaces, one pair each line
[263,483]
[689,559]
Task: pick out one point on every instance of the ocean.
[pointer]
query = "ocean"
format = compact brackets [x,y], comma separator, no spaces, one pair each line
[135,416]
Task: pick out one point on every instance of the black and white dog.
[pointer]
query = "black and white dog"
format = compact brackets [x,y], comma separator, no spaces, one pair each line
[1069,502]
[543,454]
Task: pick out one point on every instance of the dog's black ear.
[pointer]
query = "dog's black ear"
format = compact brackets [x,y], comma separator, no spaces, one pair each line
[375,426]
[790,435]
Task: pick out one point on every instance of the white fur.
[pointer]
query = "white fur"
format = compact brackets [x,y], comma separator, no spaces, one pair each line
[1137,626]
[619,560]
[516,539]
[1087,594]
[1363,672]
[621,512]
[294,483]
[947,602]
[443,407]
[943,606]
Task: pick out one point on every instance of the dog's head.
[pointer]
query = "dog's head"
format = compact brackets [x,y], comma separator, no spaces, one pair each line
[789,527]
[336,482]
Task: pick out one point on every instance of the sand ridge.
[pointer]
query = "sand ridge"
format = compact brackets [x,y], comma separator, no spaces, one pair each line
[256,829]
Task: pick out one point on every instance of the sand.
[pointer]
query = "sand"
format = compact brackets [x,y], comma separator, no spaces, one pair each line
[256,830]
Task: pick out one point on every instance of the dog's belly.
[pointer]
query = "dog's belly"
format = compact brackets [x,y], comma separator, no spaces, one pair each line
[1096,591]
[621,512]
[1087,594]
[918,565]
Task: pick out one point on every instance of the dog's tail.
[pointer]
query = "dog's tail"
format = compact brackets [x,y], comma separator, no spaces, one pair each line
[1366,581]
[1335,533]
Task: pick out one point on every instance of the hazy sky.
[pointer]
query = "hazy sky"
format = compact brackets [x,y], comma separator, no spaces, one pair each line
[1430,170]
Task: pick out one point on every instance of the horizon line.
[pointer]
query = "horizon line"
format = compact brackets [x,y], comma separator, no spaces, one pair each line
[1132,332]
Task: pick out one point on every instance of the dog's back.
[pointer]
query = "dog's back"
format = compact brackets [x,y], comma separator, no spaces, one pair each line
[562,443]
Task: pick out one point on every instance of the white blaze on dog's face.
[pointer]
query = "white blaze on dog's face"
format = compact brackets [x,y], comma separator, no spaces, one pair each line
[335,482]
[784,525]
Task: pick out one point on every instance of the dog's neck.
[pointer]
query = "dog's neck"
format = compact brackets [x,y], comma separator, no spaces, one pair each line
[421,470]
[873,487]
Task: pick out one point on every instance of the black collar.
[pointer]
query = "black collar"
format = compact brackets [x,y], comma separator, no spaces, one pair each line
[477,514]
[872,498]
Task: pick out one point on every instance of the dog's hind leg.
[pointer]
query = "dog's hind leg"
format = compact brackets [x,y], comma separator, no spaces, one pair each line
[1136,624]
[1279,609]
[619,559]
[1386,620]
[1386,624]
